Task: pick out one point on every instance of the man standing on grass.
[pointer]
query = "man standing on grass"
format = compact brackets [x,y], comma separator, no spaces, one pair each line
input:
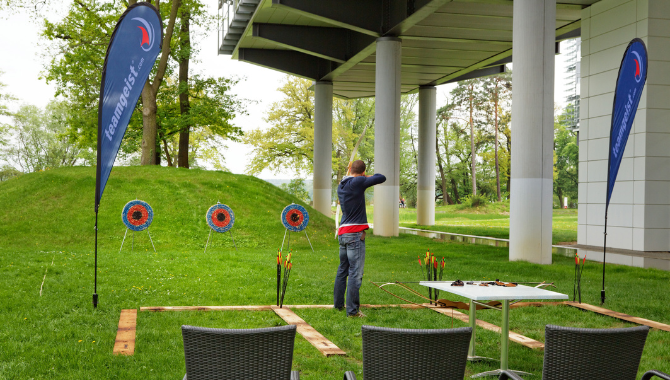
[351,234]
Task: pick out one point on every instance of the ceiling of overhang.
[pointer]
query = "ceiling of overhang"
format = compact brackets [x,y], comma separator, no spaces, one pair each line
[334,40]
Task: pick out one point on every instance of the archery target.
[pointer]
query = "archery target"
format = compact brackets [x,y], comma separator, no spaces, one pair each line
[137,215]
[294,217]
[220,218]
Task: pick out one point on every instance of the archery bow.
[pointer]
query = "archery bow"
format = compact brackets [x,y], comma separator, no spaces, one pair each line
[351,160]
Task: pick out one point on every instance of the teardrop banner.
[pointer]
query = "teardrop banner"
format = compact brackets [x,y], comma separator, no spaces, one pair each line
[137,216]
[627,93]
[132,51]
[220,218]
[295,218]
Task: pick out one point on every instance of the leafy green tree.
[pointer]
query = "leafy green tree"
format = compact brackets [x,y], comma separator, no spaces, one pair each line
[8,172]
[289,142]
[77,45]
[469,97]
[408,148]
[4,111]
[38,138]
[498,90]
[4,99]
[212,108]
[566,160]
[296,187]
[352,118]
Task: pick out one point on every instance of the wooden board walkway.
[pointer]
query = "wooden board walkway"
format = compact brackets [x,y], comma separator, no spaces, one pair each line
[326,347]
[514,337]
[125,335]
[616,314]
[262,307]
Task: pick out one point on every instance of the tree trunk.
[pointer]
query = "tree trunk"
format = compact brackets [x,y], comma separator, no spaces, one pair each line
[454,189]
[559,193]
[184,104]
[495,123]
[446,199]
[472,146]
[149,106]
[167,153]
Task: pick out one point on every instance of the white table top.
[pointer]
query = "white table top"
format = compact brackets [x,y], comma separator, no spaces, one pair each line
[497,293]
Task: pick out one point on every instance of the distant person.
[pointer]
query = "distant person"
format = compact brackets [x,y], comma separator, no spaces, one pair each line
[402,202]
[351,235]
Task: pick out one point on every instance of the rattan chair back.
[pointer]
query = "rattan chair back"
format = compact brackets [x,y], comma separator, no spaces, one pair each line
[213,354]
[390,353]
[578,353]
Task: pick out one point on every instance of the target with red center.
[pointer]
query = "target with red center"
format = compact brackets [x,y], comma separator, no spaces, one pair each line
[137,215]
[294,217]
[220,217]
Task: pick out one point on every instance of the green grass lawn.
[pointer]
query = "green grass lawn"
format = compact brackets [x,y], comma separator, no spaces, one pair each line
[46,227]
[492,221]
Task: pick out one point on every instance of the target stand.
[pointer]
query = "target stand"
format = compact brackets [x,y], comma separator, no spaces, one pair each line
[295,218]
[220,218]
[137,216]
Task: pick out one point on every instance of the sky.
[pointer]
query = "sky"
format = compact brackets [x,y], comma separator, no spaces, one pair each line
[22,62]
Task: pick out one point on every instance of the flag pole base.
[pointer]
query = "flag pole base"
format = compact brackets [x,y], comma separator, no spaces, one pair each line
[602,297]
[95,300]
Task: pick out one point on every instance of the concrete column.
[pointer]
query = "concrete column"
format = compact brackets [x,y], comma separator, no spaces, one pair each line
[425,197]
[323,138]
[387,135]
[531,195]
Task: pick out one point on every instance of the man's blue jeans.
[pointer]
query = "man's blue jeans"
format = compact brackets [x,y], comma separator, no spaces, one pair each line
[352,261]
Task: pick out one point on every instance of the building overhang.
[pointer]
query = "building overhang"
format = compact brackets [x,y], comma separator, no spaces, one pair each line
[443,41]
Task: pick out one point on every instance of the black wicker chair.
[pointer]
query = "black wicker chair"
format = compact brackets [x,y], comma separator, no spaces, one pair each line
[414,354]
[594,354]
[213,354]
[649,374]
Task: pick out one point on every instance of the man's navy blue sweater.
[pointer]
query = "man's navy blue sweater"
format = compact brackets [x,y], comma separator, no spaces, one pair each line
[351,192]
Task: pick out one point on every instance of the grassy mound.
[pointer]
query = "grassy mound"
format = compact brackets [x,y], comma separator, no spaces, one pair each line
[56,208]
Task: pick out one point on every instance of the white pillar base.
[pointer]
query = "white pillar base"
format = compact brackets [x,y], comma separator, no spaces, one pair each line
[322,201]
[425,207]
[530,220]
[386,214]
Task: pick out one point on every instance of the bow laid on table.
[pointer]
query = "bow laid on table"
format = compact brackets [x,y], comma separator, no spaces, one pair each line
[351,161]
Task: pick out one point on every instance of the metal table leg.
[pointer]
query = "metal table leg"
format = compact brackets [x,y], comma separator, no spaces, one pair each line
[473,324]
[504,346]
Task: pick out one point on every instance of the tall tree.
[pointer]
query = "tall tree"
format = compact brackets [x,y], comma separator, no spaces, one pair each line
[78,44]
[212,109]
[351,118]
[498,89]
[38,139]
[150,91]
[289,142]
[468,96]
[4,111]
[409,135]
[566,159]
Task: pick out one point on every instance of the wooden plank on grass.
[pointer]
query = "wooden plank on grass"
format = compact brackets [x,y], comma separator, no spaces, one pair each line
[326,347]
[125,335]
[204,308]
[535,304]
[514,337]
[615,314]
[262,307]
